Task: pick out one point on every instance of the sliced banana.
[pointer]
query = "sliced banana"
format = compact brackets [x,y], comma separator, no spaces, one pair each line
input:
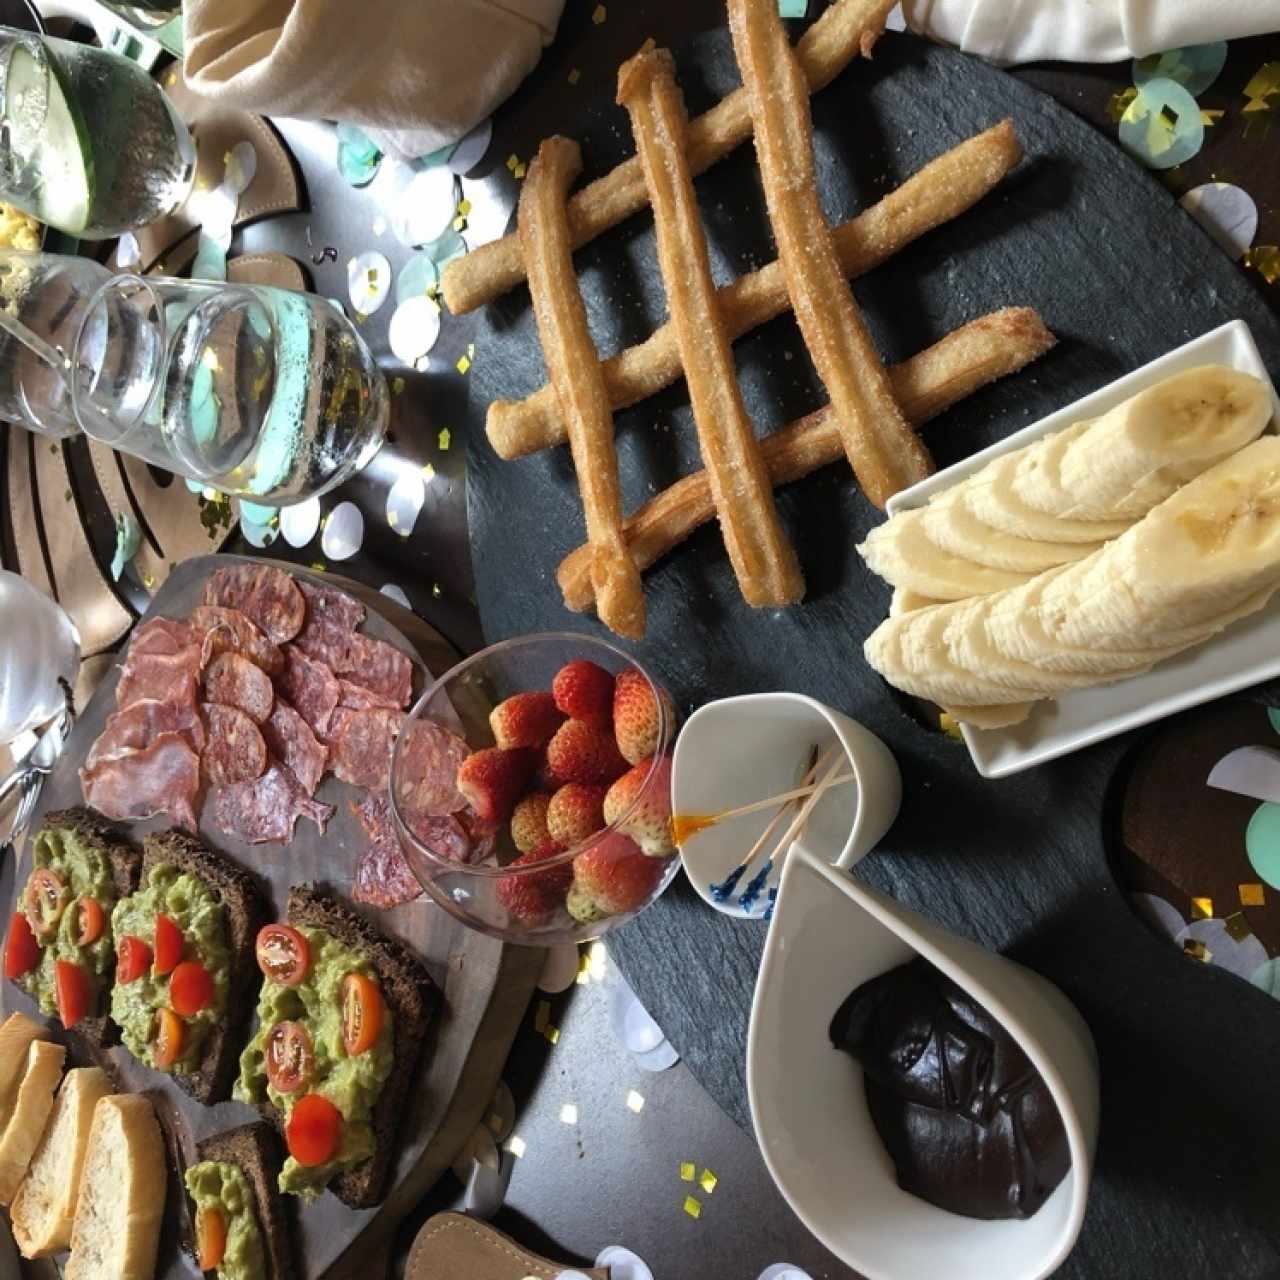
[992,717]
[1037,480]
[905,601]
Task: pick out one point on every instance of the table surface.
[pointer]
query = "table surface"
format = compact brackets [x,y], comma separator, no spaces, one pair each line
[612,1176]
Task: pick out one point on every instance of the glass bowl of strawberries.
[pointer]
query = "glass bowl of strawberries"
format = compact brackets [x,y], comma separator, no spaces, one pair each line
[531,789]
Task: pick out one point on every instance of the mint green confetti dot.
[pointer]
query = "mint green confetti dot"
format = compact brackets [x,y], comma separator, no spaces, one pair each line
[793,8]
[1195,67]
[128,540]
[358,157]
[256,513]
[1267,977]
[1262,843]
[1161,128]
[416,278]
[437,157]
[1273,714]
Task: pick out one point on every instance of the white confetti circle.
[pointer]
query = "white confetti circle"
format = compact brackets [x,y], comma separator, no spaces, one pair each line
[783,1271]
[1228,213]
[639,1031]
[660,1059]
[415,326]
[242,165]
[343,532]
[405,500]
[299,523]
[1241,956]
[1162,916]
[368,281]
[426,207]
[128,252]
[623,1264]
[560,969]
[396,593]
[470,151]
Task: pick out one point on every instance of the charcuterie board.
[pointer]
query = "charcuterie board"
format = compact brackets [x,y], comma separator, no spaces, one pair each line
[486,985]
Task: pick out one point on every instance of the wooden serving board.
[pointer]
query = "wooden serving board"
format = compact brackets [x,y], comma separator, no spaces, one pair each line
[486,986]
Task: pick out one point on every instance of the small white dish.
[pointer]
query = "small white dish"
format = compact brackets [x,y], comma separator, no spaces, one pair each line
[1243,655]
[738,750]
[830,934]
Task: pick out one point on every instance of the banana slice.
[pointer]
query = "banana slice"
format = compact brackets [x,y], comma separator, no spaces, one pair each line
[905,601]
[1037,480]
[992,717]
[991,497]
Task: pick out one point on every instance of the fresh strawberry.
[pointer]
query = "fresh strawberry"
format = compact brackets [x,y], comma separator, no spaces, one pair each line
[612,877]
[533,897]
[525,720]
[584,752]
[576,812]
[584,691]
[640,719]
[529,822]
[649,822]
[492,780]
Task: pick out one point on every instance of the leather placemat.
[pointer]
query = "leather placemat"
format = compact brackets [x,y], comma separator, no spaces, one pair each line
[452,1246]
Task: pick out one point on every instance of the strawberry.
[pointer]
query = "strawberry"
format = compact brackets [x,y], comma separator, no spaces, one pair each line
[649,822]
[640,719]
[576,812]
[525,720]
[584,752]
[533,897]
[529,822]
[610,878]
[584,691]
[491,780]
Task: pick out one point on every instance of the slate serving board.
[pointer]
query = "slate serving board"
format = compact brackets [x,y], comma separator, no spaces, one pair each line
[1187,1176]
[486,986]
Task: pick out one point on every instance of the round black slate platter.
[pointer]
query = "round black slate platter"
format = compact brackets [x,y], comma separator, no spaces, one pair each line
[1186,1179]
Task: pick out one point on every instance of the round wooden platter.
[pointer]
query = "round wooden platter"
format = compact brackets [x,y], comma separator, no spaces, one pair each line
[486,986]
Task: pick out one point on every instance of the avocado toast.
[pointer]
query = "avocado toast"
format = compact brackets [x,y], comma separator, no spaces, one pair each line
[341,1021]
[186,977]
[59,947]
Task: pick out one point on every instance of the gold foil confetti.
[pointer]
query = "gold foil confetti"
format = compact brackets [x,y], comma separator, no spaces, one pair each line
[568,1114]
[553,1035]
[574,76]
[1252,895]
[693,1206]
[520,170]
[1264,84]
[635,1101]
[437,592]
[464,363]
[1265,259]
[1197,950]
[397,385]
[708,1181]
[950,726]
[688,1171]
[464,207]
[1118,103]
[1210,118]
[444,438]
[542,1016]
[1237,926]
[517,1147]
[1202,908]
[428,472]
[599,14]
[512,161]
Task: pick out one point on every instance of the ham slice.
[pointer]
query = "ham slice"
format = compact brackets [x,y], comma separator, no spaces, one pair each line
[138,725]
[267,809]
[290,740]
[163,777]
[159,677]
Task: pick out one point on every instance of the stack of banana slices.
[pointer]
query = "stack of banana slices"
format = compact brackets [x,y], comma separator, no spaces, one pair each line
[1088,556]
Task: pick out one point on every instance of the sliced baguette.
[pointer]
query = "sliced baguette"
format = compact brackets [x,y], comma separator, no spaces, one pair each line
[122,1190]
[16,1035]
[45,1206]
[30,1115]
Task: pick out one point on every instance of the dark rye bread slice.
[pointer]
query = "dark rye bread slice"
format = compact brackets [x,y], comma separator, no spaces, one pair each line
[255,1150]
[125,862]
[247,910]
[412,998]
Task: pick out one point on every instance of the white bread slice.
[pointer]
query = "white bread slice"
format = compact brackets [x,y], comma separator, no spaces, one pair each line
[122,1188]
[31,1110]
[16,1034]
[45,1206]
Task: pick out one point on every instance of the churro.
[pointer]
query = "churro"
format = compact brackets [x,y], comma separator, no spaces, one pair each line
[988,348]
[886,455]
[847,28]
[574,369]
[762,557]
[943,189]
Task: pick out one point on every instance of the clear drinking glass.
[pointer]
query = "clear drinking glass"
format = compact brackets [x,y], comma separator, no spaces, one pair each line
[88,141]
[260,392]
[39,646]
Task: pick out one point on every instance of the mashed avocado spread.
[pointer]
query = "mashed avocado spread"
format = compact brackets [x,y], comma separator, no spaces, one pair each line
[199,914]
[85,873]
[215,1184]
[352,1084]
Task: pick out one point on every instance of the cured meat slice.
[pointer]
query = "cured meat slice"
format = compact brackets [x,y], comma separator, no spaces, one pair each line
[360,745]
[268,595]
[290,740]
[311,687]
[229,630]
[236,751]
[234,681]
[138,726]
[427,776]
[161,778]
[332,617]
[379,667]
[443,834]
[362,699]
[383,878]
[267,809]
[159,677]
[163,635]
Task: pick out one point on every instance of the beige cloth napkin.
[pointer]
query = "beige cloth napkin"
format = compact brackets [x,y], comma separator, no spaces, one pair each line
[415,74]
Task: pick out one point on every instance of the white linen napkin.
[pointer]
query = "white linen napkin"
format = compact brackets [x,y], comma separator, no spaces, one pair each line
[1010,31]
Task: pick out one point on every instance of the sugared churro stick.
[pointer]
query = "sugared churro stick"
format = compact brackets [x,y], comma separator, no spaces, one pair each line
[938,377]
[845,29]
[762,557]
[886,455]
[574,370]
[942,190]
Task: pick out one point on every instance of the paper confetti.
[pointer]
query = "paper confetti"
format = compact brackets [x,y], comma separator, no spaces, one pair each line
[1265,259]
[793,8]
[1197,951]
[1263,85]
[1201,908]
[343,532]
[1118,103]
[693,1206]
[404,501]
[1195,68]
[1161,127]
[358,156]
[599,14]
[1237,926]
[950,726]
[635,1101]
[688,1171]
[368,281]
[517,1147]
[414,331]
[464,363]
[1252,895]
[443,439]
[1226,212]
[708,1181]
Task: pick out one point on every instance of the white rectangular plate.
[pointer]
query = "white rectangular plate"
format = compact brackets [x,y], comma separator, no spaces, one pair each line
[1243,655]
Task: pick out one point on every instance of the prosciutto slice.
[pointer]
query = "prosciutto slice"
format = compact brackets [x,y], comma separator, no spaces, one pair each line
[161,778]
[267,809]
[159,677]
[138,725]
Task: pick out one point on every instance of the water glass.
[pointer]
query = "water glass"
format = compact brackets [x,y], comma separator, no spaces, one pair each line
[39,648]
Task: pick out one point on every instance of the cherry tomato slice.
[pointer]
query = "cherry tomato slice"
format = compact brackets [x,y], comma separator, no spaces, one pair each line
[133,958]
[283,954]
[171,1031]
[211,1238]
[45,900]
[290,1057]
[71,988]
[168,948]
[93,920]
[190,988]
[361,1013]
[21,950]
[311,1133]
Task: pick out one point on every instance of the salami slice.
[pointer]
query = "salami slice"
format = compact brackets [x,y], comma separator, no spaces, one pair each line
[268,595]
[163,635]
[140,724]
[236,751]
[443,834]
[359,698]
[332,617]
[267,809]
[360,745]
[290,740]
[383,878]
[161,778]
[159,677]
[427,778]
[311,687]
[234,681]
[230,631]
[378,667]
